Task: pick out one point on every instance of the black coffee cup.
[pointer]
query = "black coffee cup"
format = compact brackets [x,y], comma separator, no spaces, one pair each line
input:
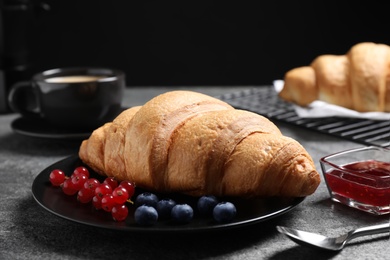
[74,98]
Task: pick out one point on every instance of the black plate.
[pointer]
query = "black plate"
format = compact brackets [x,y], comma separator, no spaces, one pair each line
[38,128]
[51,198]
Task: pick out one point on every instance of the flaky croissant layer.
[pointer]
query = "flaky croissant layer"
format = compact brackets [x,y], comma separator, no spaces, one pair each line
[191,143]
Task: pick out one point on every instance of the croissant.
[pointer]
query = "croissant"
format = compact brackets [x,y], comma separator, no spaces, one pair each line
[358,80]
[187,142]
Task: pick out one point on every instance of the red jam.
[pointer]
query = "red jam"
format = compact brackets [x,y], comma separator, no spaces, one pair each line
[366,182]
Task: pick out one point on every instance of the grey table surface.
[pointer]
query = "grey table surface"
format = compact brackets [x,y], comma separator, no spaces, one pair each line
[27,231]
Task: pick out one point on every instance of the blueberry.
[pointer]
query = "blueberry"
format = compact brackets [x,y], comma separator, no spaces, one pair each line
[145,215]
[164,207]
[224,212]
[146,198]
[206,204]
[182,213]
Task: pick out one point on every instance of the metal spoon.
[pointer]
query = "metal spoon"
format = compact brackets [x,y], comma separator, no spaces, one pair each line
[331,243]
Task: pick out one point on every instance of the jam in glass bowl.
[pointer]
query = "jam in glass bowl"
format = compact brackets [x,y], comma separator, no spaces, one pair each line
[359,178]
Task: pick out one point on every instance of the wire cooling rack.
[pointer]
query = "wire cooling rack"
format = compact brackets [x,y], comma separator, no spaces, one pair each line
[265,101]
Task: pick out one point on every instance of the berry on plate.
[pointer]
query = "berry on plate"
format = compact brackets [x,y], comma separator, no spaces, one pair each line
[224,212]
[56,177]
[182,213]
[120,195]
[119,212]
[145,215]
[206,205]
[146,198]
[164,208]
[81,170]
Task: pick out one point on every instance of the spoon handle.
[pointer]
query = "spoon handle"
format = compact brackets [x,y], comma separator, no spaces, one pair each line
[370,230]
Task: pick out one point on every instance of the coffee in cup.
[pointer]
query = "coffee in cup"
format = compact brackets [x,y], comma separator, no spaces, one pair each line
[74,98]
[74,79]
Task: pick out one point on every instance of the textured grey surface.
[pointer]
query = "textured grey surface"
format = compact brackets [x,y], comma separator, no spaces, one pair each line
[27,231]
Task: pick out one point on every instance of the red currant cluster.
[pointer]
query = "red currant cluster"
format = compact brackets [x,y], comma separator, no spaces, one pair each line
[109,195]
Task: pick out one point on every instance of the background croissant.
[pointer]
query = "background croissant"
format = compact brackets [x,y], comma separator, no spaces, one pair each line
[358,80]
[191,143]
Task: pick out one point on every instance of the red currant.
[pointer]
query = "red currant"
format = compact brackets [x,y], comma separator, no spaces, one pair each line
[56,177]
[78,181]
[68,187]
[103,189]
[91,183]
[81,170]
[85,195]
[120,195]
[108,202]
[119,212]
[129,186]
[111,181]
[97,202]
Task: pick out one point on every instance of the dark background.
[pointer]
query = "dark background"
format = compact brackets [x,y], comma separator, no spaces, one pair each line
[167,43]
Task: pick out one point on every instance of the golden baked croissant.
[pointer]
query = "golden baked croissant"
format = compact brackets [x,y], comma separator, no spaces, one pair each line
[191,143]
[358,80]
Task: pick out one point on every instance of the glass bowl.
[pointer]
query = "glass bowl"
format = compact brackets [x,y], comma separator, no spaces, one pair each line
[359,178]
